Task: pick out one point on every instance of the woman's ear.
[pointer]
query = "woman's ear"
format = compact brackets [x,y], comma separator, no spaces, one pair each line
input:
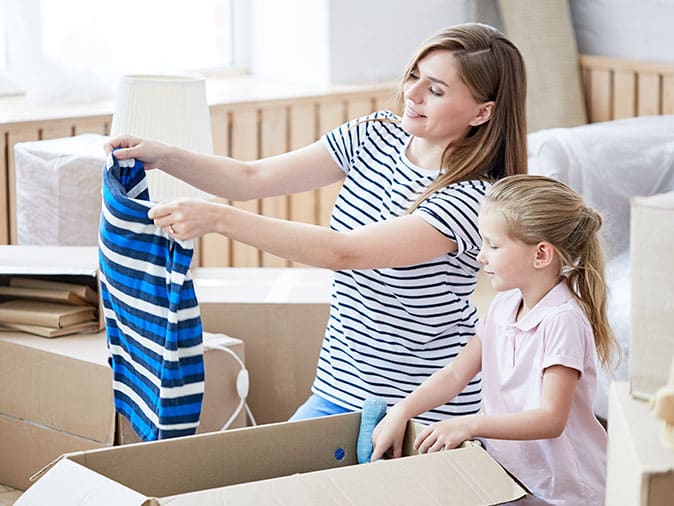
[484,113]
[545,254]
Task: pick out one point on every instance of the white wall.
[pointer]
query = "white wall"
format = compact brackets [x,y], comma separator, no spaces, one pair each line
[350,41]
[635,29]
[374,39]
[289,40]
[343,41]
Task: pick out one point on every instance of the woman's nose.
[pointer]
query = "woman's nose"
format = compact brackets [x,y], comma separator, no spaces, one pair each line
[413,93]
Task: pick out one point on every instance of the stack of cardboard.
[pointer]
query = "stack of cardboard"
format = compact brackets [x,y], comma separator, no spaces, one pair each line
[47,308]
[50,291]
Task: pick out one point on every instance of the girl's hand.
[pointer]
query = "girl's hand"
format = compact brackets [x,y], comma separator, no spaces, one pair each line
[444,435]
[150,152]
[187,219]
[389,434]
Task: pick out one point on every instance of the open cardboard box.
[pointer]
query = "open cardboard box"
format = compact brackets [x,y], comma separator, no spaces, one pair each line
[70,264]
[640,469]
[56,397]
[292,463]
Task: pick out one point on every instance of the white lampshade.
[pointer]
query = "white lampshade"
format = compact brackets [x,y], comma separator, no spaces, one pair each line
[170,109]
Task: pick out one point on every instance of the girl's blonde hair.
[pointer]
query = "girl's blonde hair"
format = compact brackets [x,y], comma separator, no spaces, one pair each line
[538,208]
[493,69]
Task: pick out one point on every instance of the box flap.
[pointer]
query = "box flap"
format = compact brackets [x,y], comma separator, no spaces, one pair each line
[467,475]
[69,483]
[26,447]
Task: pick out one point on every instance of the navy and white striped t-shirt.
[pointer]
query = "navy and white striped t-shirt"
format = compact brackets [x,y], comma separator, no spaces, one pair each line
[389,329]
[151,312]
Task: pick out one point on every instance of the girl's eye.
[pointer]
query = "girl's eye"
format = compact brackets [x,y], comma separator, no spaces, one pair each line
[435,92]
[413,75]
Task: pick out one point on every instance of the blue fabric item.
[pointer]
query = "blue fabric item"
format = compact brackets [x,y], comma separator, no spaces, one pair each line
[374,409]
[151,312]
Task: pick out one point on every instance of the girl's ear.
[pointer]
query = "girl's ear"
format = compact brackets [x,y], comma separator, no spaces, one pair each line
[545,254]
[484,113]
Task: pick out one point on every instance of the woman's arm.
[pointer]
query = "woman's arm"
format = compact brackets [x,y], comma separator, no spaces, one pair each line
[438,389]
[396,242]
[546,422]
[303,169]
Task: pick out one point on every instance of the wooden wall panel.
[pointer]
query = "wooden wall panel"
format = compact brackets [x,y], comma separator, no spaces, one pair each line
[601,95]
[331,114]
[245,145]
[358,107]
[92,125]
[274,141]
[616,88]
[624,96]
[4,192]
[668,94]
[648,96]
[302,131]
[215,249]
[56,129]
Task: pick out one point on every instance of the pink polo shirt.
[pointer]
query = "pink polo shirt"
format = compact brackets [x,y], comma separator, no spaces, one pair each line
[570,469]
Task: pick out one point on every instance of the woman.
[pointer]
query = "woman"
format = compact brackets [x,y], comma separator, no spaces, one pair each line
[403,238]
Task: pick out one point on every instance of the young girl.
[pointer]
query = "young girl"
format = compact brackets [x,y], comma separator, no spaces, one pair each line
[536,348]
[403,238]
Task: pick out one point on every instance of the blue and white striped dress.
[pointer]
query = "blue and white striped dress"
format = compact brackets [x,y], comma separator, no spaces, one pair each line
[389,329]
[151,312]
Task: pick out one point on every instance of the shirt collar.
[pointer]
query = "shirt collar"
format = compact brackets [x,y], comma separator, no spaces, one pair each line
[559,294]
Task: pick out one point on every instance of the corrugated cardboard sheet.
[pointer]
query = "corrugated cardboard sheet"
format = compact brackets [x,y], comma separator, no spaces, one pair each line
[652,318]
[292,463]
[640,467]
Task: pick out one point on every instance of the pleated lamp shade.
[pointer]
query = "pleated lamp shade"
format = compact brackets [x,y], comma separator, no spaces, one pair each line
[170,109]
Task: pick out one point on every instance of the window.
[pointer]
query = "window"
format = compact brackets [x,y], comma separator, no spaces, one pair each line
[3,42]
[78,44]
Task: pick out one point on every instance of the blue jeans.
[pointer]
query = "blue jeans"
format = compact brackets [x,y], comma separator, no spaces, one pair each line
[316,406]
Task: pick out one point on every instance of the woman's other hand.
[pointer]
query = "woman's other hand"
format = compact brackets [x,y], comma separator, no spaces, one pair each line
[187,218]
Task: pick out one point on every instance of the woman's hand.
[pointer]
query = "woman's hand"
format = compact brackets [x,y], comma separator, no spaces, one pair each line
[187,219]
[445,435]
[389,434]
[150,152]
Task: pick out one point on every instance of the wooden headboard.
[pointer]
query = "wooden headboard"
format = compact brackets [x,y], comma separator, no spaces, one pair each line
[616,88]
[246,129]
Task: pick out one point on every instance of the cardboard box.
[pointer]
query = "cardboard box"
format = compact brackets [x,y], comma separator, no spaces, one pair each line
[640,467]
[70,264]
[281,315]
[294,463]
[652,316]
[56,397]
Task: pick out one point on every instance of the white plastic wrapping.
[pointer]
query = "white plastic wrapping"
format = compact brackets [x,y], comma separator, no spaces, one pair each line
[609,163]
[58,190]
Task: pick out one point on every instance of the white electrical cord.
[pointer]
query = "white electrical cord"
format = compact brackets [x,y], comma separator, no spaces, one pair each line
[242,385]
